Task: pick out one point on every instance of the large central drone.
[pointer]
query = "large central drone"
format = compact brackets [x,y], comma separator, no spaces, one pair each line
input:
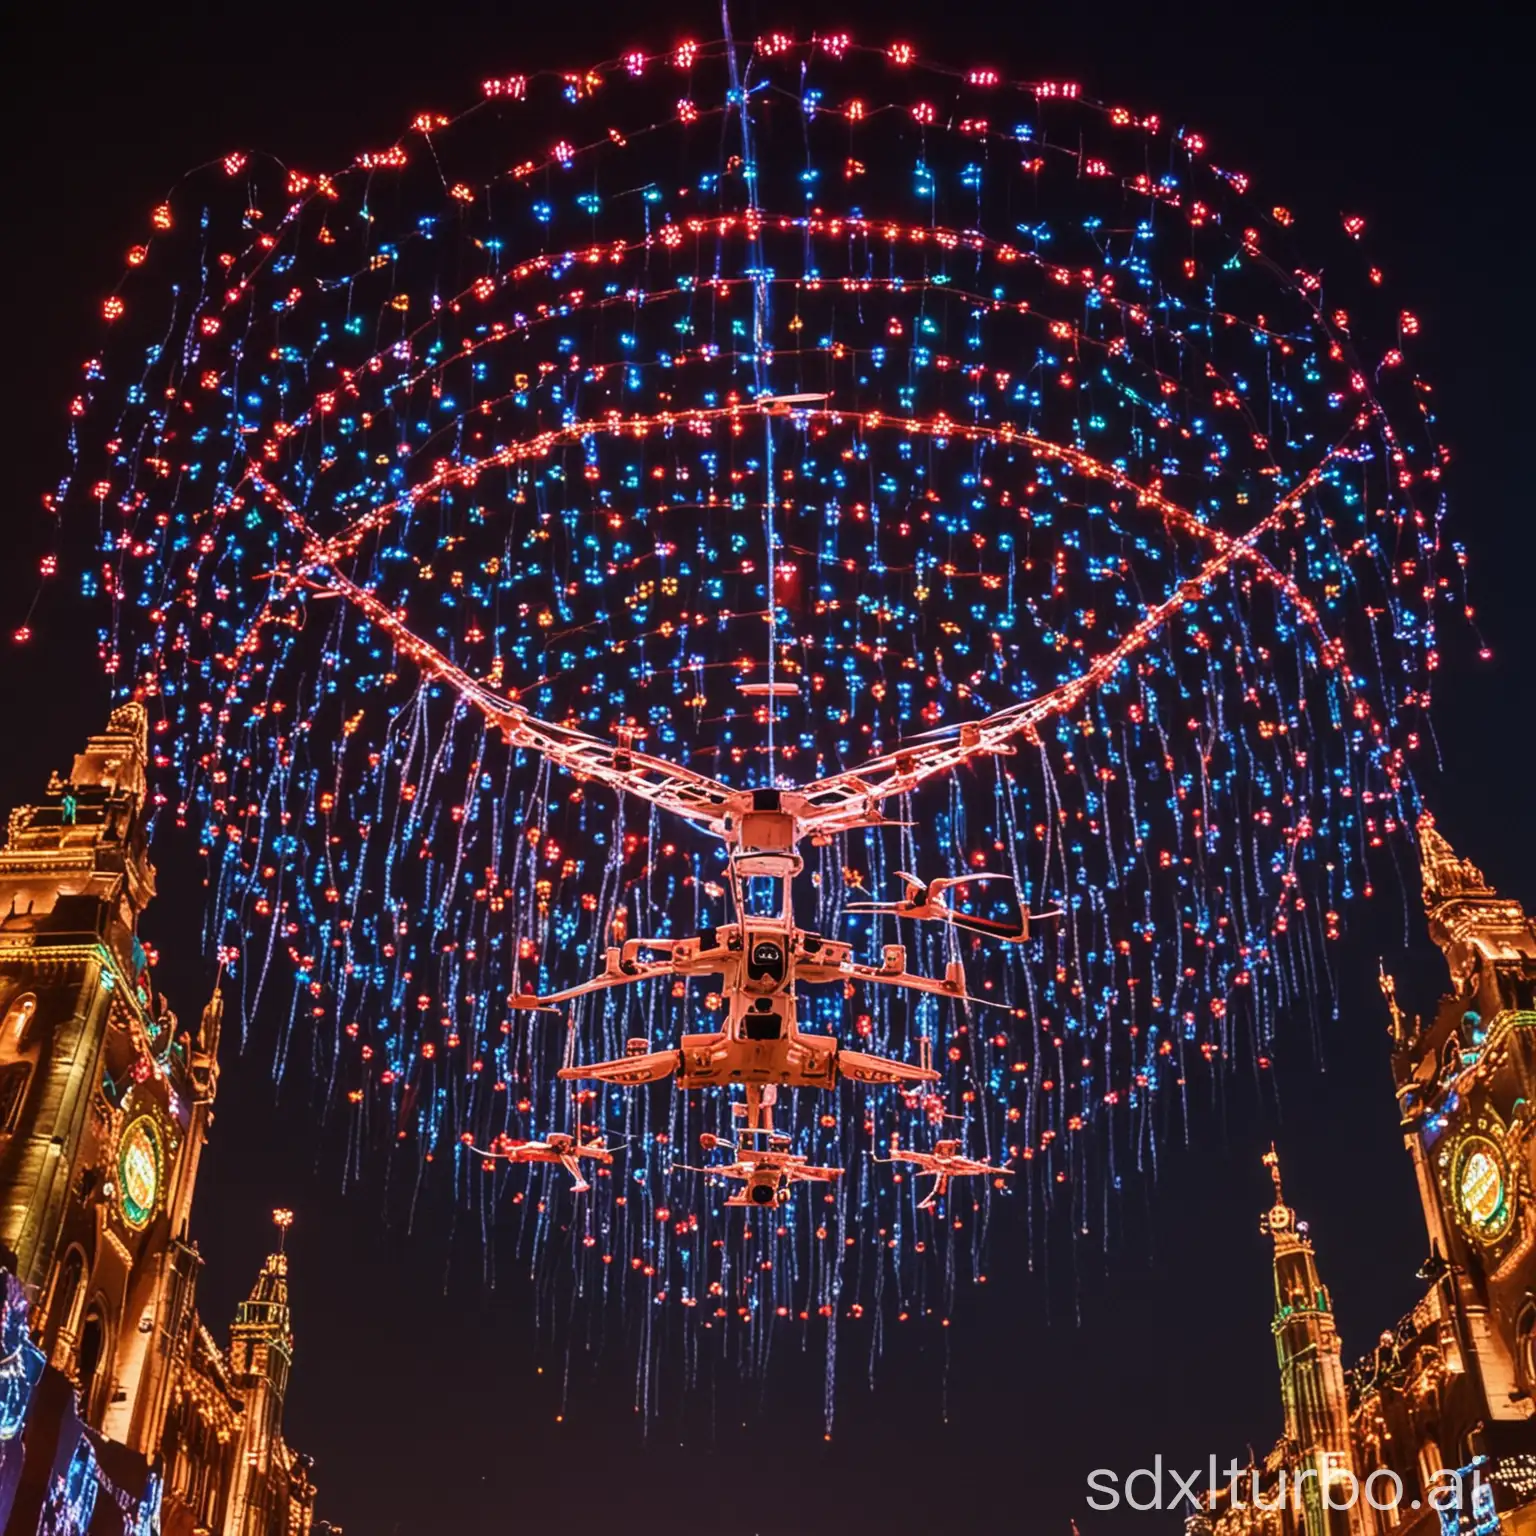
[763,957]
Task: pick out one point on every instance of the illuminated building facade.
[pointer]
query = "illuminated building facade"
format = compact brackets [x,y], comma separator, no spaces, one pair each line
[1434,1431]
[118,1410]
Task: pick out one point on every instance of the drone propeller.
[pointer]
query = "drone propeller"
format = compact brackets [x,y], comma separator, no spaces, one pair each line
[921,901]
[947,882]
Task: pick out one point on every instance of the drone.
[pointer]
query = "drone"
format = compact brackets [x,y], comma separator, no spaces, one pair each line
[924,901]
[944,1163]
[765,1167]
[558,1147]
[763,957]
[766,1173]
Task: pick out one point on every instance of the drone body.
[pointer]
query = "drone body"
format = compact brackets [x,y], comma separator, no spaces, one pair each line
[944,1163]
[766,1167]
[558,1147]
[761,959]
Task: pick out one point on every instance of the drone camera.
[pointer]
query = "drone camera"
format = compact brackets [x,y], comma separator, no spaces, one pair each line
[763,1189]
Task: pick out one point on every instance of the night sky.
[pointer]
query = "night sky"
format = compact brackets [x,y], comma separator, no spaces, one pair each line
[431,1401]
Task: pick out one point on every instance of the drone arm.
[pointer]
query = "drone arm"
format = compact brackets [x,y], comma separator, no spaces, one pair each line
[628,1071]
[849,799]
[669,786]
[812,1175]
[527,1002]
[865,1067]
[852,799]
[622,967]
[1015,931]
[951,985]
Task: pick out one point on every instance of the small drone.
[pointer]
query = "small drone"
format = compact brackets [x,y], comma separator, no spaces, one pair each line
[558,1147]
[944,1163]
[765,1168]
[767,1174]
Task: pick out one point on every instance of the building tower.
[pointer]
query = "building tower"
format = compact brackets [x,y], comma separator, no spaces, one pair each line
[1466,1089]
[1312,1386]
[102,1113]
[1437,1421]
[260,1358]
[105,1103]
[74,877]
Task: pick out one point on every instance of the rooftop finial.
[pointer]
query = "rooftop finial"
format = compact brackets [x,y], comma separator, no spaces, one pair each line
[1278,1222]
[213,1009]
[282,1220]
[1388,987]
[1272,1162]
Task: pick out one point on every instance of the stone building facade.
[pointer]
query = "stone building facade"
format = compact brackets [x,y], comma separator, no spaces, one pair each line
[119,1410]
[1433,1431]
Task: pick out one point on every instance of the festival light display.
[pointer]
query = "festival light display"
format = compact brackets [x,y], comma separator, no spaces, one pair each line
[760,407]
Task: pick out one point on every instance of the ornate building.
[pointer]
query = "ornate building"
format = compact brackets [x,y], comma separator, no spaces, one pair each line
[1434,1431]
[119,1412]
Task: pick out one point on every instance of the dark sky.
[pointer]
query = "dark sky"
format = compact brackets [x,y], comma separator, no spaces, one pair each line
[429,1401]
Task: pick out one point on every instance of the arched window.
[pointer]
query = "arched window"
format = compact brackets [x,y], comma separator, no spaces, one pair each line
[14,1077]
[1392,1516]
[1525,1346]
[16,1027]
[1388,1510]
[65,1305]
[92,1358]
[1471,1446]
[1430,1464]
[180,1461]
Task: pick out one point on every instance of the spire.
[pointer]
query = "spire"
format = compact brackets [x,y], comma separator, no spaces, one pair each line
[213,1018]
[260,1358]
[1280,1220]
[1446,877]
[264,1316]
[1388,985]
[1271,1161]
[1470,921]
[203,1057]
[1298,1287]
[1312,1389]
